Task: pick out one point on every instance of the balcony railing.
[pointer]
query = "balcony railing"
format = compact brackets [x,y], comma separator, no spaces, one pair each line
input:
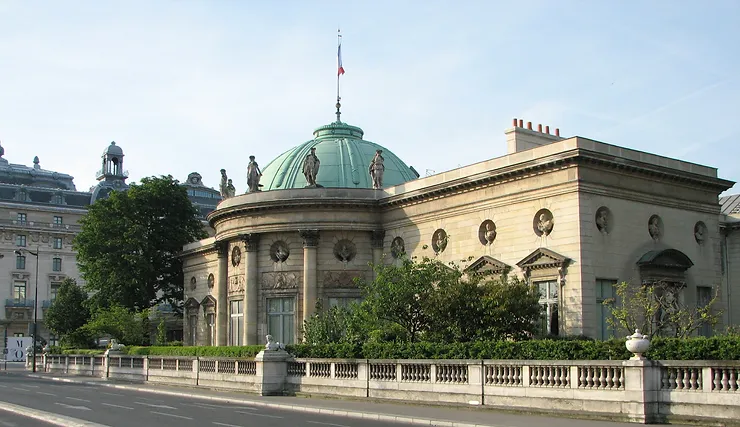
[14,302]
[37,225]
[102,172]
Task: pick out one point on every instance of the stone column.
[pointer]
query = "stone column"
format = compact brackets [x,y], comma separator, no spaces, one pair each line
[377,244]
[222,288]
[251,242]
[310,244]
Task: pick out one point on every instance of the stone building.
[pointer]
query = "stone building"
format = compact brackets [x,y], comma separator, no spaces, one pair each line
[39,214]
[571,215]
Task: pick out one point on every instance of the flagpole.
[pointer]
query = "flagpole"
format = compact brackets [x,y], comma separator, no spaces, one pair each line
[339,47]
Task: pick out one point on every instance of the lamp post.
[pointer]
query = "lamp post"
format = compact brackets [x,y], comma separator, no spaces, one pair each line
[35,305]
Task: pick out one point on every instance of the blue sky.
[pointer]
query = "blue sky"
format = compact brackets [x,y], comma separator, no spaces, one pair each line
[188,85]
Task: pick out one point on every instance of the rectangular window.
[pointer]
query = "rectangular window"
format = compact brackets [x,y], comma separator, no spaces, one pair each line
[193,323]
[53,341]
[20,240]
[18,334]
[58,221]
[280,319]
[57,243]
[211,324]
[56,264]
[703,297]
[20,262]
[54,290]
[605,291]
[22,218]
[236,323]
[19,292]
[549,302]
[343,302]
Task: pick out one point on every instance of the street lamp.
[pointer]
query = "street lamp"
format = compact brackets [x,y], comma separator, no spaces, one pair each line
[35,304]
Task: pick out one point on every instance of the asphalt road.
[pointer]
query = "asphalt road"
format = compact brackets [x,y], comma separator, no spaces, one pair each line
[125,408]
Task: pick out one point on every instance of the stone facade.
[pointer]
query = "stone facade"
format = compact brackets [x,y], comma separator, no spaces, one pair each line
[572,216]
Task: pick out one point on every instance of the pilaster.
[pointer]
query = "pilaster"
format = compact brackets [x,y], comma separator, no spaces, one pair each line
[221,291]
[376,242]
[310,246]
[251,244]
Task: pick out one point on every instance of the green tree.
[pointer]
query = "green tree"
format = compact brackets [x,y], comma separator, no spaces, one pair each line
[657,309]
[403,294]
[127,248]
[127,326]
[162,332]
[511,309]
[68,313]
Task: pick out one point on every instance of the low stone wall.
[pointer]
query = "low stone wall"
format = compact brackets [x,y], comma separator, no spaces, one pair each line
[640,391]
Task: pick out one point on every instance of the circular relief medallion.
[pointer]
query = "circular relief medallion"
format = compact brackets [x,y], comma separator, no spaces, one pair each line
[192,283]
[439,240]
[398,248]
[279,251]
[700,232]
[344,250]
[604,221]
[211,281]
[543,223]
[236,256]
[655,227]
[487,232]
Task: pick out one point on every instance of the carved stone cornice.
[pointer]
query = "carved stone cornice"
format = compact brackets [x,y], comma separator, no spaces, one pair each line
[377,239]
[310,238]
[222,248]
[251,241]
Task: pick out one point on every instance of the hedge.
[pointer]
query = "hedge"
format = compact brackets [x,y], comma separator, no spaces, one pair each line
[715,348]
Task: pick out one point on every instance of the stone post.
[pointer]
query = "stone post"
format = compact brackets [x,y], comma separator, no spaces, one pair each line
[310,244]
[222,285]
[251,243]
[377,245]
[641,389]
[272,369]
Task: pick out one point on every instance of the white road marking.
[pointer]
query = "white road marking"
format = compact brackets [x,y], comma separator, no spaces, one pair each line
[258,415]
[48,417]
[21,389]
[77,399]
[111,394]
[84,408]
[327,424]
[155,406]
[32,386]
[209,406]
[226,425]
[171,415]
[45,393]
[116,406]
[3,386]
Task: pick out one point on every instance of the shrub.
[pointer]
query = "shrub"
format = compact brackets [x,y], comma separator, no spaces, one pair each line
[232,351]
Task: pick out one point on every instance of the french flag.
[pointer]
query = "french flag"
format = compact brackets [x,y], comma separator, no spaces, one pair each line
[340,69]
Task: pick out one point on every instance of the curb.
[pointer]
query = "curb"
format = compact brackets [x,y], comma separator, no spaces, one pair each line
[325,411]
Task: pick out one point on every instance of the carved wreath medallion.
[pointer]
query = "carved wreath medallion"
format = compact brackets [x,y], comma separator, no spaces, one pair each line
[193,282]
[398,248]
[279,251]
[543,223]
[236,256]
[211,281]
[487,232]
[439,240]
[345,250]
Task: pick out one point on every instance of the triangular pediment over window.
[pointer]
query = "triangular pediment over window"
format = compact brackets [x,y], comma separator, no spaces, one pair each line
[208,301]
[543,258]
[192,304]
[487,265]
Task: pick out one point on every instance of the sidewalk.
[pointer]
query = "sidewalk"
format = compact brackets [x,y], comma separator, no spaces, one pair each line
[407,413]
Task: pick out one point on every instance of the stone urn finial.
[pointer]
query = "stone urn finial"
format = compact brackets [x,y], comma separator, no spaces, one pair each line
[637,344]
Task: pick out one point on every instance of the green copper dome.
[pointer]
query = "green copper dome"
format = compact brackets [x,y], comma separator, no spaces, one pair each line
[345,158]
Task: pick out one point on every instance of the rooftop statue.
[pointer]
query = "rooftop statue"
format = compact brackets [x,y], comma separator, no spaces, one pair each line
[230,189]
[376,169]
[223,186]
[311,168]
[253,175]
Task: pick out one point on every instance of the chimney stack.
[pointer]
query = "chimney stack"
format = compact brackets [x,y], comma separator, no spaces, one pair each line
[520,138]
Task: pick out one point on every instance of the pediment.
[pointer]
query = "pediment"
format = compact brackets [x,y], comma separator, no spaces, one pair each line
[208,301]
[192,304]
[671,259]
[543,258]
[487,265]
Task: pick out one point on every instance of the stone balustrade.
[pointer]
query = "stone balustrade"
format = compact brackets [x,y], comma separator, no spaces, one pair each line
[640,391]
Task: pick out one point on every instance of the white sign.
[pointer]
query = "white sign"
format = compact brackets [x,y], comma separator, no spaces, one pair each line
[17,348]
